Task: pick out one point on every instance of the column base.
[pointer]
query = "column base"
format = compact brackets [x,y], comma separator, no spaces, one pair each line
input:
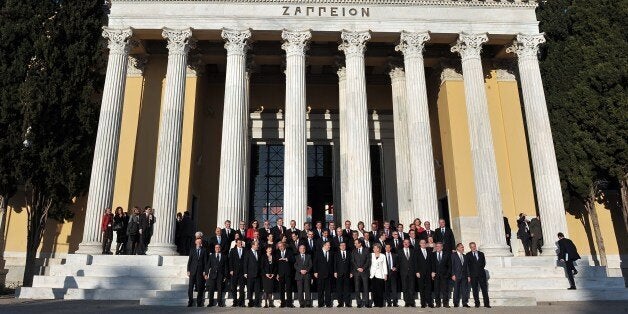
[496,250]
[549,249]
[164,249]
[91,248]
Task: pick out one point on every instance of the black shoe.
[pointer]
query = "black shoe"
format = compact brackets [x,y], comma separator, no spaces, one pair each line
[455,305]
[395,305]
[221,305]
[190,304]
[340,305]
[359,306]
[210,305]
[272,305]
[487,306]
[266,306]
[302,306]
[423,306]
[437,305]
[571,288]
[477,305]
[575,272]
[446,306]
[465,305]
[291,305]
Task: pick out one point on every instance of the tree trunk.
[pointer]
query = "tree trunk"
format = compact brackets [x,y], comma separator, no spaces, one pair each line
[624,199]
[37,207]
[595,222]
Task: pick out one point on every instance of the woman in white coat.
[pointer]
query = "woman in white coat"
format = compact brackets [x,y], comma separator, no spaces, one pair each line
[379,274]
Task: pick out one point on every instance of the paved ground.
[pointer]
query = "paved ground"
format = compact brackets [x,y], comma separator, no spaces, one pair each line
[12,305]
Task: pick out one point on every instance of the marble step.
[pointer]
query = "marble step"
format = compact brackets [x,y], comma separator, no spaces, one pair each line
[581,294]
[149,283]
[528,261]
[504,301]
[117,271]
[40,293]
[126,260]
[553,283]
[544,272]
[108,294]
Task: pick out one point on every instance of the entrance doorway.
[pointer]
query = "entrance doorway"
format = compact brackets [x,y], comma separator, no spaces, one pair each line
[320,193]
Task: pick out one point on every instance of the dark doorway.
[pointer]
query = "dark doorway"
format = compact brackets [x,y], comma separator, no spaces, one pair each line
[320,194]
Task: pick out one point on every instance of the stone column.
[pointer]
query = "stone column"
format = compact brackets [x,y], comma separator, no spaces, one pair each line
[166,190]
[234,133]
[102,178]
[402,155]
[421,156]
[488,199]
[247,148]
[342,150]
[295,129]
[360,203]
[547,182]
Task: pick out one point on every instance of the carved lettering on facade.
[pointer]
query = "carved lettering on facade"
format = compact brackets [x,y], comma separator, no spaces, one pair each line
[326,11]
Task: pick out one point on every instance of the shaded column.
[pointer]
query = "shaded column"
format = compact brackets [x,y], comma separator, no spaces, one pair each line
[488,199]
[546,180]
[166,190]
[232,180]
[360,202]
[295,128]
[102,178]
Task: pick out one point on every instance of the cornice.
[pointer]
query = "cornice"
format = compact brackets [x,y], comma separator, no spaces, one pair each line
[469,3]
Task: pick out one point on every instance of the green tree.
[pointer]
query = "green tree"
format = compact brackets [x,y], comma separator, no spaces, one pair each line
[584,66]
[58,98]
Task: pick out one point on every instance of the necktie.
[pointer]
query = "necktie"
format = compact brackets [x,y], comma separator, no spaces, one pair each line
[424,253]
[475,254]
[340,239]
[326,257]
[343,255]
[283,254]
[219,257]
[255,253]
[461,259]
[407,254]
[439,257]
[396,243]
[218,240]
[360,251]
[227,232]
[324,239]
[303,258]
[198,253]
[239,253]
[311,243]
[390,265]
[442,230]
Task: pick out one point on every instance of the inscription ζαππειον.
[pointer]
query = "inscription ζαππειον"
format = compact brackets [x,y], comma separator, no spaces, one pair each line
[326,11]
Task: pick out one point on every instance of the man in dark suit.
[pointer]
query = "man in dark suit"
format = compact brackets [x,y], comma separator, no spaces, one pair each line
[373,234]
[216,271]
[285,261]
[302,268]
[367,242]
[197,264]
[477,274]
[242,230]
[293,229]
[264,231]
[360,266]
[424,268]
[228,233]
[508,232]
[567,253]
[342,273]
[395,242]
[323,271]
[523,233]
[536,236]
[347,232]
[309,242]
[383,240]
[187,233]
[460,276]
[408,272]
[236,271]
[147,220]
[402,235]
[414,242]
[445,236]
[306,227]
[318,231]
[441,273]
[322,240]
[278,230]
[293,244]
[339,238]
[428,232]
[219,239]
[390,286]
[252,273]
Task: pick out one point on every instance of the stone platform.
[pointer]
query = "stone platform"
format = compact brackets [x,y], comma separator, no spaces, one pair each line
[162,280]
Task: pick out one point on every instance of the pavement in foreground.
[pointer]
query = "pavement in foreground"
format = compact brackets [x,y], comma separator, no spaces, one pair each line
[12,305]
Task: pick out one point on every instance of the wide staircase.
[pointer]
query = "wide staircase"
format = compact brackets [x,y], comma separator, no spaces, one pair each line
[162,280]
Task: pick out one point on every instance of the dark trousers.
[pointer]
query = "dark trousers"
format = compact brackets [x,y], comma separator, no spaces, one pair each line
[107,238]
[535,246]
[526,242]
[196,279]
[570,268]
[254,284]
[133,244]
[461,291]
[390,287]
[425,288]
[407,286]
[303,289]
[378,292]
[285,290]
[323,287]
[481,282]
[343,290]
[215,285]
[441,290]
[361,281]
[238,282]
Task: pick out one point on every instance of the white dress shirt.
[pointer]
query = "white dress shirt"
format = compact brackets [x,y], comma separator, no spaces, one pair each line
[378,266]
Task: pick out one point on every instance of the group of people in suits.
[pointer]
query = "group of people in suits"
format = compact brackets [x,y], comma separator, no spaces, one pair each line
[374,266]
[134,230]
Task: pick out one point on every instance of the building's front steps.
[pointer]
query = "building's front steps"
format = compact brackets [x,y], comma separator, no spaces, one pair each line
[161,280]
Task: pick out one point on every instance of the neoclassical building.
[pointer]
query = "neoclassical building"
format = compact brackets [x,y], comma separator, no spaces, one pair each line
[326,110]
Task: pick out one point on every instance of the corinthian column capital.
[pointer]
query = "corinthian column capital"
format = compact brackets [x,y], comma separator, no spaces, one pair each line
[396,74]
[236,41]
[526,46]
[179,40]
[295,42]
[137,65]
[411,44]
[354,43]
[469,45]
[120,41]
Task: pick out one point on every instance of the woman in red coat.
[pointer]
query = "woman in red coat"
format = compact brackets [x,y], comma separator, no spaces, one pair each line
[250,232]
[107,231]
